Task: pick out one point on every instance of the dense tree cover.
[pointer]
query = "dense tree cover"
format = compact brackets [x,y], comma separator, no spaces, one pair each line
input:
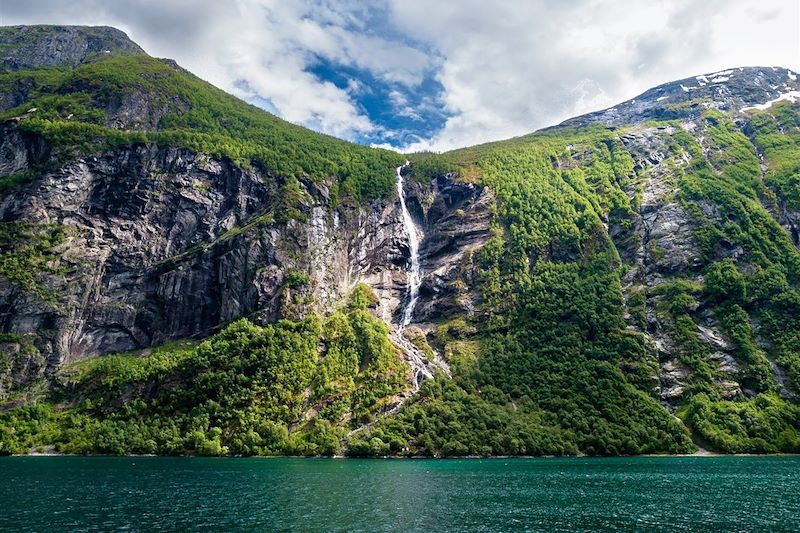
[547,378]
[74,109]
[765,424]
[447,420]
[293,387]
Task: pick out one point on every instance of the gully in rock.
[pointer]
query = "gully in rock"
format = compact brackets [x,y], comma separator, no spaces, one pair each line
[414,236]
[414,357]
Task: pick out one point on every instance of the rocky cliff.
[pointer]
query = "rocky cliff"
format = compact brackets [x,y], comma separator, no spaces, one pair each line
[29,47]
[163,244]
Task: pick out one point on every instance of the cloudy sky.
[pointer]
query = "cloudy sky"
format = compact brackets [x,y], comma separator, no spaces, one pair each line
[425,74]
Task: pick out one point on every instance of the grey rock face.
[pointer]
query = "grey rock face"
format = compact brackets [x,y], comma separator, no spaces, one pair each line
[164,244]
[456,217]
[662,249]
[27,47]
[727,90]
[18,151]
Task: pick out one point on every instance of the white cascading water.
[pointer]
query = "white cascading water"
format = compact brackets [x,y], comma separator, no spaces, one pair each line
[421,368]
[415,271]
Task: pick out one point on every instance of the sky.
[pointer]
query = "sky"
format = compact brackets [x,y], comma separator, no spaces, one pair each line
[435,75]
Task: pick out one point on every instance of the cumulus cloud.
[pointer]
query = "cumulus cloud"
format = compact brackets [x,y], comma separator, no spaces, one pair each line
[503,68]
[257,49]
[512,67]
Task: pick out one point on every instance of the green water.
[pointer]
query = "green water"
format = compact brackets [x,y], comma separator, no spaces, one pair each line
[191,494]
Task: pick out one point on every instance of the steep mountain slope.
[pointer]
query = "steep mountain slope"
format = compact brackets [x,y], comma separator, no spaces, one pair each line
[665,248]
[622,283]
[142,205]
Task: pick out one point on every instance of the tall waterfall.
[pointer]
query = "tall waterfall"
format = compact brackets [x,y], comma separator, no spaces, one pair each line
[415,272]
[421,367]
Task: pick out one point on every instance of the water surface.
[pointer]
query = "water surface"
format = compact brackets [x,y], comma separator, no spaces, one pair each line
[194,494]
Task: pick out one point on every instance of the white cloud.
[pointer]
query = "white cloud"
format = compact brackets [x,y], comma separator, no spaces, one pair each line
[252,48]
[511,67]
[507,67]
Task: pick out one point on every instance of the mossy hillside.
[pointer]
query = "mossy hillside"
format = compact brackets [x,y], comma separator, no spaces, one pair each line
[293,387]
[776,134]
[549,363]
[74,108]
[549,367]
[27,255]
[543,215]
[551,337]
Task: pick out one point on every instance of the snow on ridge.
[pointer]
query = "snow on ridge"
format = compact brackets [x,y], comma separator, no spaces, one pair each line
[792,75]
[701,78]
[720,79]
[791,96]
[721,73]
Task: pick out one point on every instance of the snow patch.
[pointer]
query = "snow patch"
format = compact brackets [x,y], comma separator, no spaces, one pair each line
[661,98]
[722,73]
[685,88]
[791,96]
[701,78]
[720,79]
[792,75]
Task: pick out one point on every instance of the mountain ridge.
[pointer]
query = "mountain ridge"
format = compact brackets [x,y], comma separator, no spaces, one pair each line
[729,90]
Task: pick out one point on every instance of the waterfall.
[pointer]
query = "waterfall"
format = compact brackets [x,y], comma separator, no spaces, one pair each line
[414,235]
[421,367]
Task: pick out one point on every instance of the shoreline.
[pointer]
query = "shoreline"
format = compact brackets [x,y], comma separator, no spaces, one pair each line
[703,453]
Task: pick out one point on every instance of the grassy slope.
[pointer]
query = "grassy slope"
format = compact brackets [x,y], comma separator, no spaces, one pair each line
[74,107]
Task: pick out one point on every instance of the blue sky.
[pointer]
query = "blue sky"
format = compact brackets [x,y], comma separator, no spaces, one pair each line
[405,114]
[418,74]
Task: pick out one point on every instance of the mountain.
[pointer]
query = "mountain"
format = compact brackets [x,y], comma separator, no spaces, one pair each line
[181,272]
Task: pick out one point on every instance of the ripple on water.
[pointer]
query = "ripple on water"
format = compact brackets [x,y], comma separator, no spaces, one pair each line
[179,494]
